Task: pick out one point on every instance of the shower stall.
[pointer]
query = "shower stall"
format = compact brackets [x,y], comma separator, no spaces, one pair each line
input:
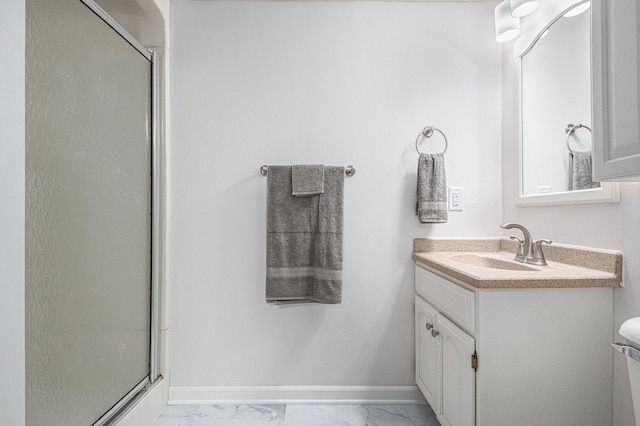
[91,242]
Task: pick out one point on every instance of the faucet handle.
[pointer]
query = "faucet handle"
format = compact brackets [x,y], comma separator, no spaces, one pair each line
[520,256]
[538,254]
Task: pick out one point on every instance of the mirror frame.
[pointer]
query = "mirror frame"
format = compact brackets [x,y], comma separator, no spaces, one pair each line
[609,192]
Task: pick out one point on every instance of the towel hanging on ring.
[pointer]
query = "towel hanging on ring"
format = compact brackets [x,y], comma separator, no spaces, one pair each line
[431,205]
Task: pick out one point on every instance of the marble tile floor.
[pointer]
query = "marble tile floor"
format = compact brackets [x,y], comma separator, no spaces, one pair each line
[297,415]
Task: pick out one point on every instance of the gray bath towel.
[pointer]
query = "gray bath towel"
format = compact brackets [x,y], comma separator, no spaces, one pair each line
[580,171]
[304,239]
[307,180]
[432,189]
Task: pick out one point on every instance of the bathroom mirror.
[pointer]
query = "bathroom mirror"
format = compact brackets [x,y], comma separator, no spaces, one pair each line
[555,94]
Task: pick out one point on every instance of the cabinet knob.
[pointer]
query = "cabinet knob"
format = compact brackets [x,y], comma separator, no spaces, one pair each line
[434,333]
[429,326]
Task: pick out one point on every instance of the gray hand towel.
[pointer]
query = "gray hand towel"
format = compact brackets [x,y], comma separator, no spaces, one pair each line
[304,239]
[307,180]
[432,189]
[580,171]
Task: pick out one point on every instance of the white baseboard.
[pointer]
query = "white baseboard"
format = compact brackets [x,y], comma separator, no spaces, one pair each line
[148,407]
[207,395]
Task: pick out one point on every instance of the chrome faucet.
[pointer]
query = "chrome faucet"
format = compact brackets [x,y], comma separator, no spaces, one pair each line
[520,255]
[529,251]
[537,255]
[524,252]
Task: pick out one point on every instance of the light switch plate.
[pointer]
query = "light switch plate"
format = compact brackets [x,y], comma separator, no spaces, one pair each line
[456,199]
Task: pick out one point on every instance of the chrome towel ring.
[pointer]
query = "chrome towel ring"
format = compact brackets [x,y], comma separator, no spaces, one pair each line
[570,129]
[427,132]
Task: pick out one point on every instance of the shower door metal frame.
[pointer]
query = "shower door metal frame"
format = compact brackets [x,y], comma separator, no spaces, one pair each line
[157,207]
[156,58]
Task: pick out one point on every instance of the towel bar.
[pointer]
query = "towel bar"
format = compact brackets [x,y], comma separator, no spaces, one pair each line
[427,132]
[349,170]
[570,129]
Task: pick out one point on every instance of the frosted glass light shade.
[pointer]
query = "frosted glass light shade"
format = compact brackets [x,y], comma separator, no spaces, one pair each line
[507,27]
[520,8]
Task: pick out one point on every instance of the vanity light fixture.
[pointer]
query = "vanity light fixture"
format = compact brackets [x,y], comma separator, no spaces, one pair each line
[507,27]
[520,8]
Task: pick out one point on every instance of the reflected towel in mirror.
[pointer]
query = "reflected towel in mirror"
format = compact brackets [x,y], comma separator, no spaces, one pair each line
[580,171]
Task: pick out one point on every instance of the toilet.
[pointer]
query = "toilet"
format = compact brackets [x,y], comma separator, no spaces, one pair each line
[630,330]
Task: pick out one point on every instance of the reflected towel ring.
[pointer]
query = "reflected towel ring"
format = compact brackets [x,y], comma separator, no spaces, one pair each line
[427,132]
[570,129]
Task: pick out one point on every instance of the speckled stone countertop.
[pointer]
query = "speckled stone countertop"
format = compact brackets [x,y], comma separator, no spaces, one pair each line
[568,266]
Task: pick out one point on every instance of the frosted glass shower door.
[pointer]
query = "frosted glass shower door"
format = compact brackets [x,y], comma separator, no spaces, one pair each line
[88,223]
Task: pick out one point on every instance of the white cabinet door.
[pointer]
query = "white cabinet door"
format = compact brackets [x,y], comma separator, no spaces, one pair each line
[458,376]
[427,350]
[616,89]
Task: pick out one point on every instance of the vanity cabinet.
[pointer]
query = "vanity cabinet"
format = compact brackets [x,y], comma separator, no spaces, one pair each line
[525,356]
[428,352]
[445,352]
[443,370]
[616,90]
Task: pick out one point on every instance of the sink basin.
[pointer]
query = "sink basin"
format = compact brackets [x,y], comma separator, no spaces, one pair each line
[493,263]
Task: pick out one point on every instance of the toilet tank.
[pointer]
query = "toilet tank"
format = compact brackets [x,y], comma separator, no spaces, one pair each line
[630,330]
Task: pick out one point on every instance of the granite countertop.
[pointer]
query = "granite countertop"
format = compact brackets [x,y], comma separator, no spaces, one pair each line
[568,266]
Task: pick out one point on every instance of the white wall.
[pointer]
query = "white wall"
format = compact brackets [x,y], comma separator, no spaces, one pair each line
[338,83]
[146,20]
[608,226]
[12,134]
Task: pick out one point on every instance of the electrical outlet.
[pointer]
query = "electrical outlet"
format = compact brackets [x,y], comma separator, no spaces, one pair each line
[544,189]
[455,198]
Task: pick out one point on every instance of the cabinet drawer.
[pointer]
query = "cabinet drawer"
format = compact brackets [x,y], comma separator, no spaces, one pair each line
[454,301]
